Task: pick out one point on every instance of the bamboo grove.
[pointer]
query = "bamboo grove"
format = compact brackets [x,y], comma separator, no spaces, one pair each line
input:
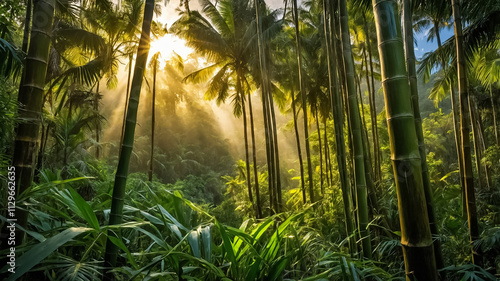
[246,140]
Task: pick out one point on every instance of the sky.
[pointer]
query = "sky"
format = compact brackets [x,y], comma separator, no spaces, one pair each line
[169,15]
[423,46]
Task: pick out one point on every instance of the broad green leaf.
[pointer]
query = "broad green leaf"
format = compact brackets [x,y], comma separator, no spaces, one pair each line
[40,251]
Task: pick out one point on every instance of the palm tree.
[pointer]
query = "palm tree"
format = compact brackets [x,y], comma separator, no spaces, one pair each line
[416,236]
[225,39]
[115,217]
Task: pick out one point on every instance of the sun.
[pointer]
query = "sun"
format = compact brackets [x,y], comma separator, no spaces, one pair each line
[167,45]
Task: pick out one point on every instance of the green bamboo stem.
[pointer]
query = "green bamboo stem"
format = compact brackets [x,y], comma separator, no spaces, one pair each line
[30,100]
[416,236]
[464,121]
[118,196]
[355,123]
[412,78]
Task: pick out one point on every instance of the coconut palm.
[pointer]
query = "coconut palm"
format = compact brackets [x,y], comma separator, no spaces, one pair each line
[227,40]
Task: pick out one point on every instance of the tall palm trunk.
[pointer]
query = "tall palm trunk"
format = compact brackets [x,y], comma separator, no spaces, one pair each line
[254,159]
[464,115]
[118,197]
[456,127]
[338,119]
[475,140]
[320,149]
[412,77]
[328,163]
[299,149]
[279,203]
[30,98]
[373,108]
[416,236]
[247,157]
[494,113]
[483,146]
[265,110]
[304,99]
[126,100]
[355,123]
[97,125]
[153,117]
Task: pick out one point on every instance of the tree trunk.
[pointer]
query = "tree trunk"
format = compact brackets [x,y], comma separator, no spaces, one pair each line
[299,149]
[279,203]
[254,159]
[416,236]
[338,118]
[494,113]
[322,188]
[97,125]
[30,100]
[118,196]
[475,139]
[126,100]
[304,100]
[464,115]
[245,133]
[265,109]
[373,108]
[412,78]
[483,146]
[152,153]
[355,123]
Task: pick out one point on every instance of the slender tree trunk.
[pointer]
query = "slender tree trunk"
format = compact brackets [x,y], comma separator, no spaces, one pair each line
[412,78]
[356,130]
[27,23]
[494,113]
[464,115]
[483,146]
[247,157]
[456,128]
[338,118]
[475,139]
[322,188]
[299,149]
[416,236]
[328,164]
[371,102]
[376,144]
[304,100]
[126,100]
[279,203]
[254,159]
[153,117]
[118,196]
[97,126]
[265,109]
